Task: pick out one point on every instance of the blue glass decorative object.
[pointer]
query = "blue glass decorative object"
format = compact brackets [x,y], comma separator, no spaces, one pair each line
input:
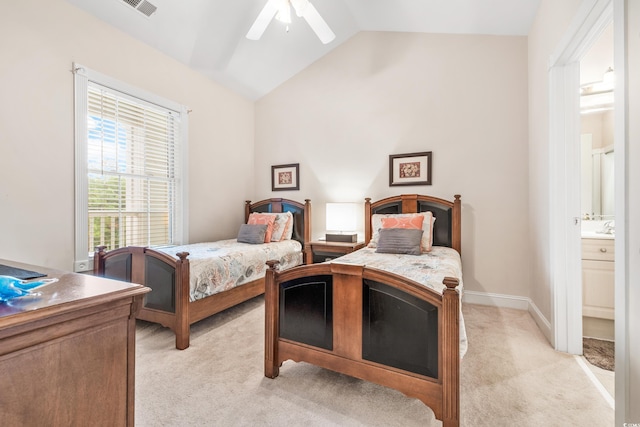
[11,287]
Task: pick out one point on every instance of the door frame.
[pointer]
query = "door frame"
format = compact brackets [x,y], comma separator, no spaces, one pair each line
[564,181]
[564,173]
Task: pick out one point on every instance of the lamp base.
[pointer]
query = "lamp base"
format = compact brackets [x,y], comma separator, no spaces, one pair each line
[345,238]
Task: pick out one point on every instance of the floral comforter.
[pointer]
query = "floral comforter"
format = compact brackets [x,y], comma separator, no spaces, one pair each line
[225,264]
[428,269]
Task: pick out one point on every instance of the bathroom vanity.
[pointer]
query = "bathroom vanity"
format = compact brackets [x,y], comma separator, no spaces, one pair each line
[598,280]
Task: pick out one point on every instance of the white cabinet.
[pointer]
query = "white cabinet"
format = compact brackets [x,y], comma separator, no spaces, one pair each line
[598,278]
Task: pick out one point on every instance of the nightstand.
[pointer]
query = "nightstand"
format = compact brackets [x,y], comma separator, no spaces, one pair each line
[322,250]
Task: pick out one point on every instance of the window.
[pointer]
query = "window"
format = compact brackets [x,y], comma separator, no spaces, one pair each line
[129,153]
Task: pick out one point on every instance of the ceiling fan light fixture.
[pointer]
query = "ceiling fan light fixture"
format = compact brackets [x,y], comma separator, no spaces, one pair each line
[281,9]
[284,12]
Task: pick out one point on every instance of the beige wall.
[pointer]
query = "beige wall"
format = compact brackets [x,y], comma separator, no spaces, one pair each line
[462,97]
[39,40]
[551,23]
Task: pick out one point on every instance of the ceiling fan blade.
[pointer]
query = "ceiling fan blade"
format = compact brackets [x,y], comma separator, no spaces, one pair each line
[263,20]
[317,24]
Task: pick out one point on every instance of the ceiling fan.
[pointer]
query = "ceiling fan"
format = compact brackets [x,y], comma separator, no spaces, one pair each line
[281,9]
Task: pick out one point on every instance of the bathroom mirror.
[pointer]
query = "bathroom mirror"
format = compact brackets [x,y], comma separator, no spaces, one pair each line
[597,160]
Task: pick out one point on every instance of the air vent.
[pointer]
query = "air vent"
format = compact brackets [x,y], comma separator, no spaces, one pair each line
[142,6]
[132,3]
[147,8]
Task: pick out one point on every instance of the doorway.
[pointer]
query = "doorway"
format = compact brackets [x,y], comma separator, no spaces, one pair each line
[565,174]
[565,250]
[597,80]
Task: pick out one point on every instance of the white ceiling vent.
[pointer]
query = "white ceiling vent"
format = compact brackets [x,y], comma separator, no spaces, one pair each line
[142,6]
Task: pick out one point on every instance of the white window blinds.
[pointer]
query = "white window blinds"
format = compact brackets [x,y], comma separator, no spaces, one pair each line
[132,172]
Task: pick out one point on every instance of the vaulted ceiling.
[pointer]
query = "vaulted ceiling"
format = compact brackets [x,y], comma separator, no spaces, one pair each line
[209,35]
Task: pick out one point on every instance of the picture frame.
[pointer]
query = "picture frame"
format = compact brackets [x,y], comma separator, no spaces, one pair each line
[410,169]
[285,177]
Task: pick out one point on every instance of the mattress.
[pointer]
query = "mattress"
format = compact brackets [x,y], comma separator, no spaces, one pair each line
[225,264]
[428,269]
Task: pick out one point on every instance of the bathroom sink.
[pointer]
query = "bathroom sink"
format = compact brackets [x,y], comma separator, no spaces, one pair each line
[586,234]
[598,229]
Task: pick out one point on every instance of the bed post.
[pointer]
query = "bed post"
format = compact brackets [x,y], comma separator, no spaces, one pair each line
[271,332]
[182,301]
[451,354]
[456,224]
[98,261]
[306,249]
[367,220]
[247,210]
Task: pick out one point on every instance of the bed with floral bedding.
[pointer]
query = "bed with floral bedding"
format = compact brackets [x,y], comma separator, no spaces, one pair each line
[225,264]
[192,282]
[388,313]
[429,269]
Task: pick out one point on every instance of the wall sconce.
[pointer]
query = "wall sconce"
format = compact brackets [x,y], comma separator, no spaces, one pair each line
[609,78]
[341,222]
[597,97]
[604,86]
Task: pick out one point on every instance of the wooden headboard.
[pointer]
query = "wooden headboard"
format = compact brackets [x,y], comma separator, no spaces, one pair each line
[301,215]
[446,229]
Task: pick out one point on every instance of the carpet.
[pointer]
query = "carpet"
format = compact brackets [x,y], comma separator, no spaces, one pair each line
[599,353]
[510,376]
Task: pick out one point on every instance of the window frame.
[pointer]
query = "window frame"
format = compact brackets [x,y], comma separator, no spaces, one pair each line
[83,76]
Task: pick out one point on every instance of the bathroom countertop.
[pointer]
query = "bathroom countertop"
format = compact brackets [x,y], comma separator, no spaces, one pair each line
[596,235]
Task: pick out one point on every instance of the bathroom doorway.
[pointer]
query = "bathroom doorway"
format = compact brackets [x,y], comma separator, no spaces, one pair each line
[597,225]
[564,195]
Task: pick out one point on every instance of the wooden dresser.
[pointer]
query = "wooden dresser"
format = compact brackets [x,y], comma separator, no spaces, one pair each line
[67,356]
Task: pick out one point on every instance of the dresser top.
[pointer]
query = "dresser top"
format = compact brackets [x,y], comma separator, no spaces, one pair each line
[71,291]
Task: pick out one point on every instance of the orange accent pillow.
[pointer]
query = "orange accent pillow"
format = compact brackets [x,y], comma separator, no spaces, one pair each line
[258,218]
[410,222]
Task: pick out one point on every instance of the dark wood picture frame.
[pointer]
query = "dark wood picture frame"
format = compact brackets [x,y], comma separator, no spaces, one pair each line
[410,169]
[285,177]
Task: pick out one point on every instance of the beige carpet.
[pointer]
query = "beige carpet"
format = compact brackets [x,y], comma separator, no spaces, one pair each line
[509,377]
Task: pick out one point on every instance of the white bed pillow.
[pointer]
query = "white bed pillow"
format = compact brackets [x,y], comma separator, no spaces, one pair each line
[427,227]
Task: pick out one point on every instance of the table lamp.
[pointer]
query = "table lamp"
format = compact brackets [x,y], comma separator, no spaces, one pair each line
[341,222]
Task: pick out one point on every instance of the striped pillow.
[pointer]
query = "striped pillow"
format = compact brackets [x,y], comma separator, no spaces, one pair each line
[404,241]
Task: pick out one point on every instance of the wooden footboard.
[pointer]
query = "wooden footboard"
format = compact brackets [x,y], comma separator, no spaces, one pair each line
[369,324]
[168,278]
[168,302]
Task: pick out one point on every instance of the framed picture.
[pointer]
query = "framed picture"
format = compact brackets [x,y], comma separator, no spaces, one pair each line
[285,177]
[410,169]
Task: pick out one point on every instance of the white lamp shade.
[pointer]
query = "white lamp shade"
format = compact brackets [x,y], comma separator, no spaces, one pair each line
[341,216]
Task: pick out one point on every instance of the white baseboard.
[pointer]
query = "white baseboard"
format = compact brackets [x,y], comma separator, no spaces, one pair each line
[542,322]
[495,300]
[511,301]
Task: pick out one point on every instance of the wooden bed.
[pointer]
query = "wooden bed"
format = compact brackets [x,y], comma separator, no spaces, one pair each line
[325,314]
[169,303]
